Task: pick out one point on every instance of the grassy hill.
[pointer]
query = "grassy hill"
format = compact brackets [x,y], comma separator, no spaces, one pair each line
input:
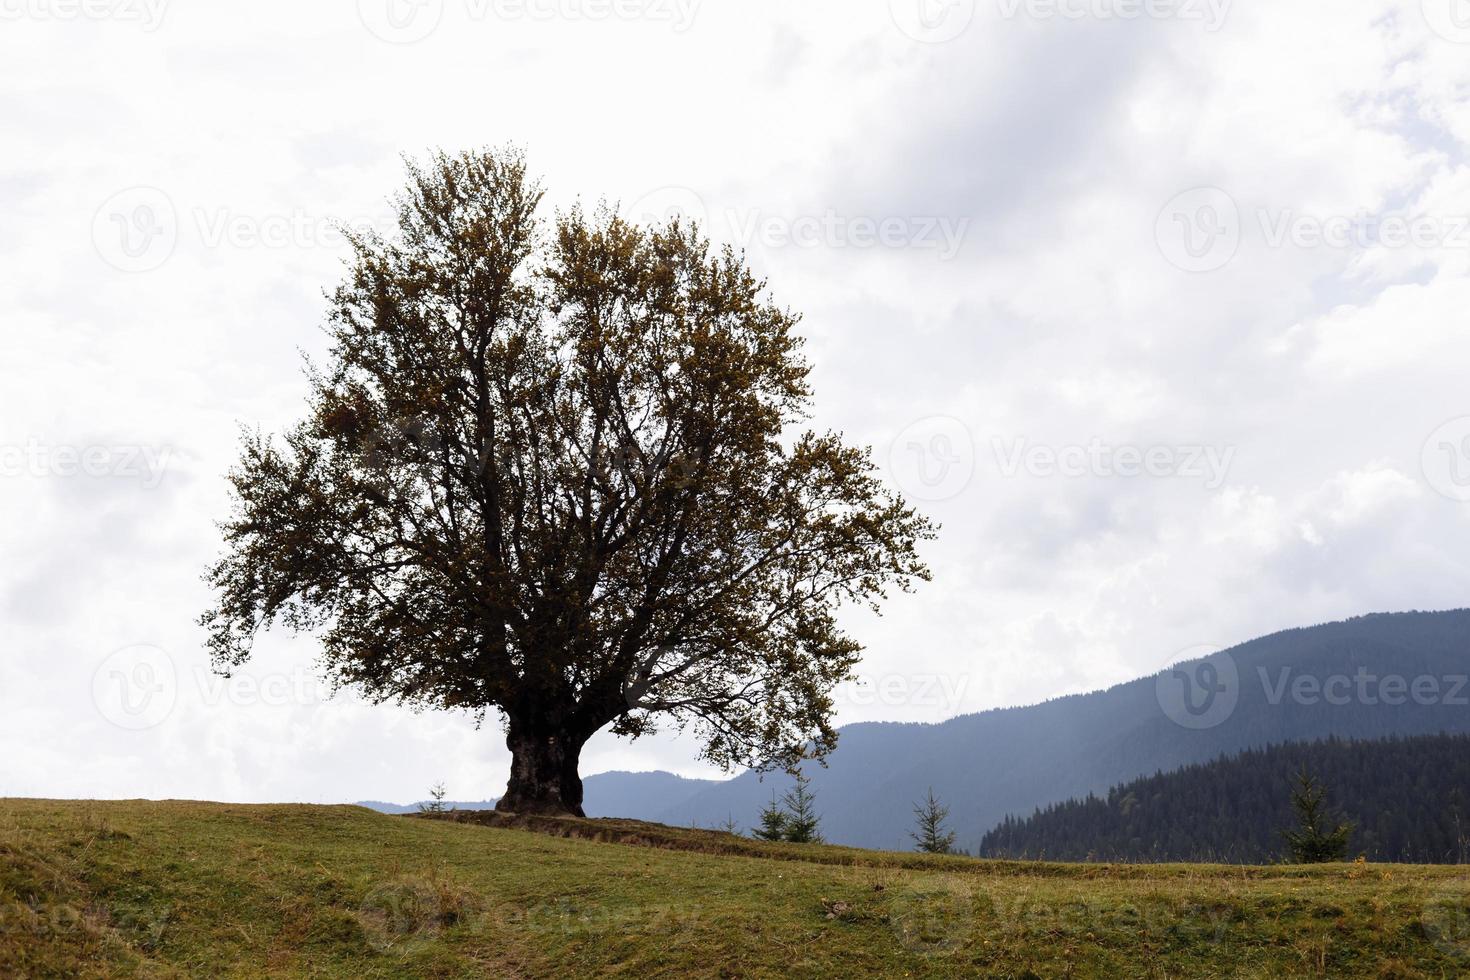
[177,889]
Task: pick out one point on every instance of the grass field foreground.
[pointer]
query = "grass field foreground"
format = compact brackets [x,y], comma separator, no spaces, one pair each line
[181,889]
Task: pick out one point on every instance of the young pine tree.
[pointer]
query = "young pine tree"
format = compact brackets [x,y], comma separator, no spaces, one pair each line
[1319,837]
[929,834]
[801,813]
[772,822]
[438,792]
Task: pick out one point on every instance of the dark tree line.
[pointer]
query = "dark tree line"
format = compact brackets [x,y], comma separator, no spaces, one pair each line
[1408,799]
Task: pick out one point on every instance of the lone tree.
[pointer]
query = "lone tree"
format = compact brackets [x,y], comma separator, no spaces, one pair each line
[435,804]
[929,834]
[554,469]
[1319,837]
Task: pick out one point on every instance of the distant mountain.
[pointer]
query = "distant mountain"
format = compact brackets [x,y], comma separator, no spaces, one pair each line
[382,807]
[607,794]
[1409,797]
[617,794]
[1353,679]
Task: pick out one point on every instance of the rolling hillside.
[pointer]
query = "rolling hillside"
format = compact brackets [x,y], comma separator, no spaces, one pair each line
[1011,761]
[176,889]
[1409,799]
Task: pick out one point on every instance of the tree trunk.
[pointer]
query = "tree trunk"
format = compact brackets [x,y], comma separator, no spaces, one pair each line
[543,774]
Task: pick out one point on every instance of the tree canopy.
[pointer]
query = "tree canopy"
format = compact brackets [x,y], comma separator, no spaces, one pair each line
[557,469]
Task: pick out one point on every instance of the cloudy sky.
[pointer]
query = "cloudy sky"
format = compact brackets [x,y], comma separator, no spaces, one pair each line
[1158,307]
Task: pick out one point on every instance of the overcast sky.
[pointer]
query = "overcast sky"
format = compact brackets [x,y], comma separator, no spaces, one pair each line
[1160,309]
